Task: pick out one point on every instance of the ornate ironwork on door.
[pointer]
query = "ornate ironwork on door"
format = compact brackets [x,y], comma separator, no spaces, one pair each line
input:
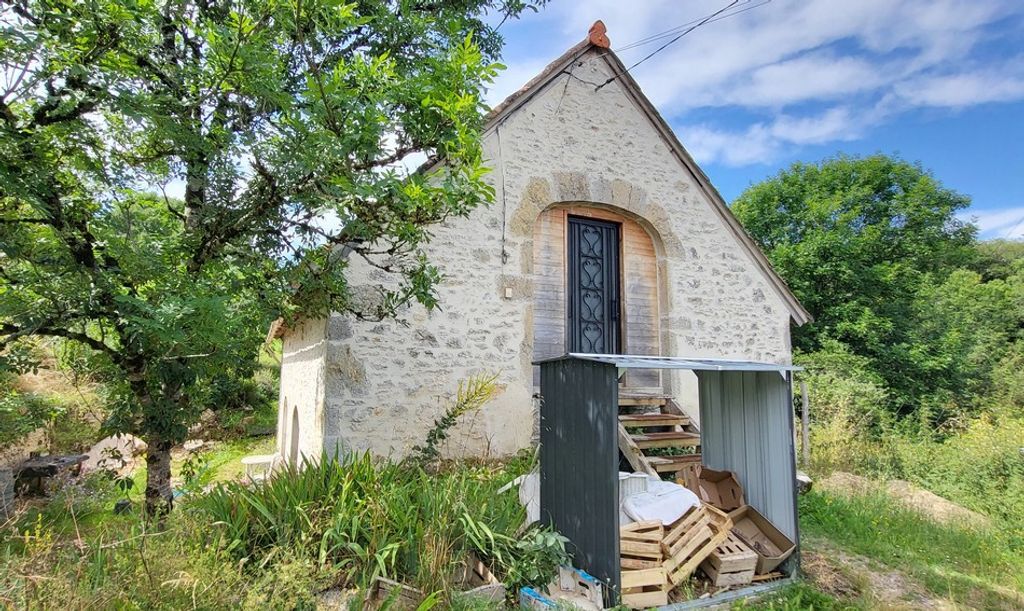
[593,286]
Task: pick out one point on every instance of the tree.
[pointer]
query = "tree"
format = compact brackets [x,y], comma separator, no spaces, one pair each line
[856,238]
[276,115]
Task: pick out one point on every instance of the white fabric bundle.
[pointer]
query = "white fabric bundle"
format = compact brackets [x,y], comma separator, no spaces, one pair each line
[664,501]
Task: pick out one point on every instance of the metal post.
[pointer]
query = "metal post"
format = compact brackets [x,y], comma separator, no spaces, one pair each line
[805,425]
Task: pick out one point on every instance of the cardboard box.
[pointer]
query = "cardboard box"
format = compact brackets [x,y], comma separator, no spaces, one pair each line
[767,541]
[718,488]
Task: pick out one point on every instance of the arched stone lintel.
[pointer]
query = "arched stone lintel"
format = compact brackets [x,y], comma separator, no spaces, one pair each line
[580,189]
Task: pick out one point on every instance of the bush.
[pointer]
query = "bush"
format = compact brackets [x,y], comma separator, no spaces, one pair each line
[22,413]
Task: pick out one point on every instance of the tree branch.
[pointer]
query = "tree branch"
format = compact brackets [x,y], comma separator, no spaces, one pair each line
[15,332]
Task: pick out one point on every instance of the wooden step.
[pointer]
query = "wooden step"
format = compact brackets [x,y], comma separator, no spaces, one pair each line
[665,464]
[672,439]
[644,420]
[641,400]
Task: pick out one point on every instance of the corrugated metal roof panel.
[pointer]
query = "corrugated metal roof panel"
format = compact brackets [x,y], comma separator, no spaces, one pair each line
[628,361]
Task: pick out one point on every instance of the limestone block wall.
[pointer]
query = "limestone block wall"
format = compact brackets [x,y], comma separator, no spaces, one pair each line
[386,382]
[300,419]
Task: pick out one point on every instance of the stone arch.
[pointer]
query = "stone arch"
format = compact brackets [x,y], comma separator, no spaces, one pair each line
[642,257]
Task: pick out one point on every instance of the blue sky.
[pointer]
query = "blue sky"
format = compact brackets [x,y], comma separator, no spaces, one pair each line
[935,81]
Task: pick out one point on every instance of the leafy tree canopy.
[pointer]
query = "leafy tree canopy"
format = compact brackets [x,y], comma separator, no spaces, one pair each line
[275,114]
[857,239]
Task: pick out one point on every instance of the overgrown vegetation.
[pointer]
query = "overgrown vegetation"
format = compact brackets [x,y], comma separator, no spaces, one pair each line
[982,567]
[276,544]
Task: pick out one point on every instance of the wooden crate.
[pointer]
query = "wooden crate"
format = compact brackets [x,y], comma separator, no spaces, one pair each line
[691,539]
[645,588]
[730,564]
[640,545]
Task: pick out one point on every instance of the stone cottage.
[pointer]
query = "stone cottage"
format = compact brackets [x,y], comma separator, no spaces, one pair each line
[604,237]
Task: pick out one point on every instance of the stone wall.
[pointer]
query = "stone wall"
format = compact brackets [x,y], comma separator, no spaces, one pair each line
[19,450]
[386,382]
[300,418]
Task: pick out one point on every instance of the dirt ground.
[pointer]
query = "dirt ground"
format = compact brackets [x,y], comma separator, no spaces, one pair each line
[849,576]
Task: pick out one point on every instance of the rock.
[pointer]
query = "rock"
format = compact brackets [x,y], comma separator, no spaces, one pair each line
[803,482]
[115,453]
[934,506]
[122,507]
[193,445]
[847,484]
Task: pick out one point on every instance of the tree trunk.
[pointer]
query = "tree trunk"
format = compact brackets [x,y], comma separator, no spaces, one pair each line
[159,498]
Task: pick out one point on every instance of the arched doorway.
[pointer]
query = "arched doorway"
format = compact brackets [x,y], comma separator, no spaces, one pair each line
[293,452]
[625,263]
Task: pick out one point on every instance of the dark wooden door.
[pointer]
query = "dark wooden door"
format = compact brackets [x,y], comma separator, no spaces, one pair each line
[593,286]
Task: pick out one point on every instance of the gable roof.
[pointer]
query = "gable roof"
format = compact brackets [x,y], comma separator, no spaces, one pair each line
[632,89]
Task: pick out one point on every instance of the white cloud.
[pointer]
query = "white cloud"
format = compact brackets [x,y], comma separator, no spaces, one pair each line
[1001,223]
[762,141]
[855,64]
[963,89]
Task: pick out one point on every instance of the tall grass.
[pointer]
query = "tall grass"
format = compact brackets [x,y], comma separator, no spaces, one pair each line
[977,566]
[979,466]
[359,518]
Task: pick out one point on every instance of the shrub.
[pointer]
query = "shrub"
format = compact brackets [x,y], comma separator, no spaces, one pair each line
[22,413]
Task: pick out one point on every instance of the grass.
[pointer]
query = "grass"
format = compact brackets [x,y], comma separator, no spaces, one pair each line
[797,597]
[275,545]
[973,566]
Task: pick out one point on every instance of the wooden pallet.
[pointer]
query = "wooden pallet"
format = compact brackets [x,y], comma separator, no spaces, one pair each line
[691,539]
[730,564]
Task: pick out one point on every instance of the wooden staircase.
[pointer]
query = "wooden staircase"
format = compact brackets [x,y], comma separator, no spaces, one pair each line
[655,435]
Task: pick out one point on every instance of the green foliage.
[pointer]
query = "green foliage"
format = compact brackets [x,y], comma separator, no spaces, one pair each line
[359,520]
[980,467]
[874,249]
[470,397]
[855,238]
[978,464]
[285,121]
[22,413]
[531,560]
[971,566]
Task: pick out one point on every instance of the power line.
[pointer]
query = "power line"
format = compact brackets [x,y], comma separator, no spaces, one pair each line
[669,32]
[720,13]
[1009,234]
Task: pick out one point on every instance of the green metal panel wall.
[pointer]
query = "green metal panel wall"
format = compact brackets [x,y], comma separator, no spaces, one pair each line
[746,421]
[579,463]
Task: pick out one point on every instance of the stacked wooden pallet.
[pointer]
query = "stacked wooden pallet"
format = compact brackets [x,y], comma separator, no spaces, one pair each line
[656,558]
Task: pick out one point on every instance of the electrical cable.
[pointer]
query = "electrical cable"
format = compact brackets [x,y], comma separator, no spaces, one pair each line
[669,32]
[723,13]
[664,46]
